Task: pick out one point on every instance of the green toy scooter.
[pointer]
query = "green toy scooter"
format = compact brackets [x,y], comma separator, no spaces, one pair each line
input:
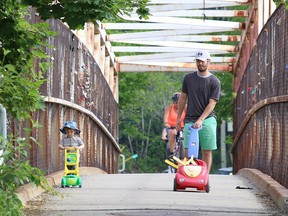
[71,169]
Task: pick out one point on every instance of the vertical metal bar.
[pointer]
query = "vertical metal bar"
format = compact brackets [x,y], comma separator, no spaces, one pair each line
[3,129]
[123,163]
[3,121]
[223,145]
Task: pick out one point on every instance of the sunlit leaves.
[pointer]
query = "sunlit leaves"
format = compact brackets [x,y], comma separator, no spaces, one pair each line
[14,172]
[21,44]
[76,13]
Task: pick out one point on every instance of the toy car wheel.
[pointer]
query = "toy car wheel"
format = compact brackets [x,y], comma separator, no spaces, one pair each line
[175,186]
[79,182]
[63,183]
[207,187]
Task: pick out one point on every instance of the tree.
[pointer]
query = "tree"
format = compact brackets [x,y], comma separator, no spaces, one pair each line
[279,2]
[76,13]
[16,172]
[142,100]
[22,45]
[224,107]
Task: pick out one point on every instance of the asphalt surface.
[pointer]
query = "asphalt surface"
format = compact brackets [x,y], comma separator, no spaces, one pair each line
[152,194]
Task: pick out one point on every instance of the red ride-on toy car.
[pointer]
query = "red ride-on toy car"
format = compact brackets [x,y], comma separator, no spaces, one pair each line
[192,173]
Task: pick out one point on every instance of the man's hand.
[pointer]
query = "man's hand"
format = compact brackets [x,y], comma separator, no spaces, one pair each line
[198,123]
[178,124]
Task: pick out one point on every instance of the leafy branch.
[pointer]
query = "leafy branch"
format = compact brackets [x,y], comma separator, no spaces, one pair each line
[16,171]
[76,13]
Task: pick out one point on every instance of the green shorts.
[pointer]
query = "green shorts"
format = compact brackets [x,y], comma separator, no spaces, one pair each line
[207,135]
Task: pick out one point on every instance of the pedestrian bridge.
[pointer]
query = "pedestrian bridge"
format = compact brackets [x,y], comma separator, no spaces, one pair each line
[152,194]
[83,83]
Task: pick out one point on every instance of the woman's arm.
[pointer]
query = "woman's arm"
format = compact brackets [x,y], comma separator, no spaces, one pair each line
[166,115]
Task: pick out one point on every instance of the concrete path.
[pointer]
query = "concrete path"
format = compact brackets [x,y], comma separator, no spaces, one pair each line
[152,194]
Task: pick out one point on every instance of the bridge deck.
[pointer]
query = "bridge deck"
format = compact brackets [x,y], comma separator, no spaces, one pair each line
[152,194]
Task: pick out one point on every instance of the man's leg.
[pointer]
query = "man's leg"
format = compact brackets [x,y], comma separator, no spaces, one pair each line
[207,137]
[207,157]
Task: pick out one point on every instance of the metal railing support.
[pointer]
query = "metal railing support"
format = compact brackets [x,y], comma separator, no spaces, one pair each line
[123,163]
[3,130]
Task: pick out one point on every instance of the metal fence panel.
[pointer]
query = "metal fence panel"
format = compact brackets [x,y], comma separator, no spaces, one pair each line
[261,105]
[76,89]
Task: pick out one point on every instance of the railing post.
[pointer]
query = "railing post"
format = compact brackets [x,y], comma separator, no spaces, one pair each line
[3,130]
[123,163]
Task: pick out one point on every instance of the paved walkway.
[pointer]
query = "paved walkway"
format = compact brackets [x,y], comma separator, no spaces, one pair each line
[152,194]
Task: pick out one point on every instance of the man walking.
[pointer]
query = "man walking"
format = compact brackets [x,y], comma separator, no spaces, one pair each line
[202,90]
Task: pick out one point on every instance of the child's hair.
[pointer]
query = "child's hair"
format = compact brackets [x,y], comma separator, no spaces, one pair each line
[66,129]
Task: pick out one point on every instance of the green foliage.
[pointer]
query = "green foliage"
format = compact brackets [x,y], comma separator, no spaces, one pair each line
[229,140]
[76,13]
[14,172]
[224,107]
[142,100]
[279,2]
[21,45]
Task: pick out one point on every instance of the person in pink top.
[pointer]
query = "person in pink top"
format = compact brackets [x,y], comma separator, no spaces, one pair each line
[170,119]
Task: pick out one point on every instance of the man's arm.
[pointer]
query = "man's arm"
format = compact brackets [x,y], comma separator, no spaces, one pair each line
[181,105]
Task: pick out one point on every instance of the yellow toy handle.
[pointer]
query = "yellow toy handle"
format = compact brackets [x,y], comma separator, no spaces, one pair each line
[179,161]
[191,160]
[71,149]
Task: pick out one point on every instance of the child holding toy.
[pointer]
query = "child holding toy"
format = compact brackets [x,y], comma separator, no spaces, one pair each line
[71,140]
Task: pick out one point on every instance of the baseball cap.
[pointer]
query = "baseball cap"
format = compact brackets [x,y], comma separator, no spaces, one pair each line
[202,55]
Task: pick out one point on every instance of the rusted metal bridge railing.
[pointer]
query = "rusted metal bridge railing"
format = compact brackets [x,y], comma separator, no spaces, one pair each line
[261,105]
[76,89]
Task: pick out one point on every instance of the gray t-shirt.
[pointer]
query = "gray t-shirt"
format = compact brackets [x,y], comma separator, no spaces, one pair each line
[71,142]
[199,90]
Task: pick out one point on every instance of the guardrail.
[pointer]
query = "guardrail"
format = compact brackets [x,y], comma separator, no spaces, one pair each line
[76,89]
[260,109]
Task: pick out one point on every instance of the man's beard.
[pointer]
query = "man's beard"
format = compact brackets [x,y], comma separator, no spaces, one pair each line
[202,69]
